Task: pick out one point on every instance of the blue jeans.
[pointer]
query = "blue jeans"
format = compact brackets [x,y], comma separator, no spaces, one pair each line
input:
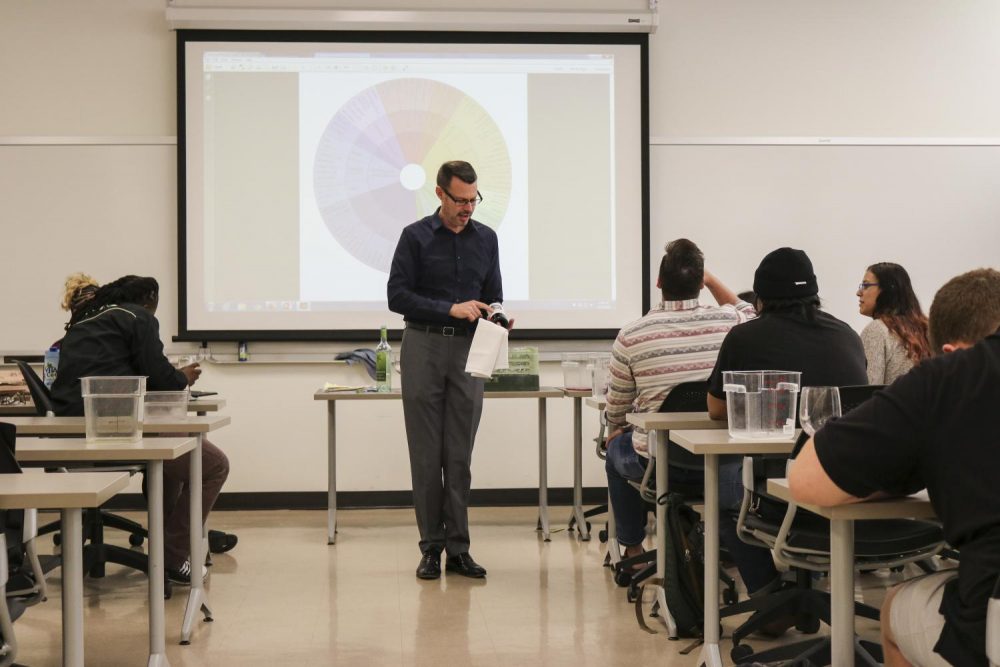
[755,564]
[623,464]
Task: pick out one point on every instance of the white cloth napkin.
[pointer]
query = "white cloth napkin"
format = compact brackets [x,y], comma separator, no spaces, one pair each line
[489,350]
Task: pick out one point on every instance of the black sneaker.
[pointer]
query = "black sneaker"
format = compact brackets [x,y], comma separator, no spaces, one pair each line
[182,575]
[220,542]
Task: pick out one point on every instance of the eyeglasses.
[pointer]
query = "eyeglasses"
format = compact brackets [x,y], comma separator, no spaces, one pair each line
[465,202]
[863,286]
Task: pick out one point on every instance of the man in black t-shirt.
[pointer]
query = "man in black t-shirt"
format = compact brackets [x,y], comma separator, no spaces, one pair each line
[791,333]
[937,428]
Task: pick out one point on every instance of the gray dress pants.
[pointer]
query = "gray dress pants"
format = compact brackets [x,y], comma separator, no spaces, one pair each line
[442,405]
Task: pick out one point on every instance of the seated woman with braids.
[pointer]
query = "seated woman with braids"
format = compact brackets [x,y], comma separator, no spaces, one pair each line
[78,292]
[116,333]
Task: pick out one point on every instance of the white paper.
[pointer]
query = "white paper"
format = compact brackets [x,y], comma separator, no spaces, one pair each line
[489,350]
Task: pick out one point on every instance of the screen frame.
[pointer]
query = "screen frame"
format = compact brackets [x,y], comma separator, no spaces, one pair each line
[423,37]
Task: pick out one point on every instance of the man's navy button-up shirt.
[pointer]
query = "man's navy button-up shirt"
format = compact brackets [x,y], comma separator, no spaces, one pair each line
[434,268]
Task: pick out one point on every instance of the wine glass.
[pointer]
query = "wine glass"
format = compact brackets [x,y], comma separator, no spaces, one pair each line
[818,405]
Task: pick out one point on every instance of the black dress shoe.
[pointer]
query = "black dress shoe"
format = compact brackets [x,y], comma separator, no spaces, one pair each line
[464,565]
[430,565]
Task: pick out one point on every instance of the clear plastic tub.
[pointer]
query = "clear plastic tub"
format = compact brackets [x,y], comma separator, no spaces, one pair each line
[167,404]
[761,404]
[577,372]
[113,408]
[602,374]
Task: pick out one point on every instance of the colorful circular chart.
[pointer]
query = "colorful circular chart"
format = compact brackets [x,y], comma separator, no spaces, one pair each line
[376,163]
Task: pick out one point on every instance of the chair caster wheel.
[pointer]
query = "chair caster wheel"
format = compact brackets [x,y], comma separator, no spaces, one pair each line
[622,578]
[730,596]
[631,594]
[741,652]
[808,625]
[602,535]
[57,539]
[135,540]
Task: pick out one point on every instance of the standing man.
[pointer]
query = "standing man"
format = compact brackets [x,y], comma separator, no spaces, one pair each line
[445,271]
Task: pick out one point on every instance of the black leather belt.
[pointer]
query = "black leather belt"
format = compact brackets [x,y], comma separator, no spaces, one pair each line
[438,329]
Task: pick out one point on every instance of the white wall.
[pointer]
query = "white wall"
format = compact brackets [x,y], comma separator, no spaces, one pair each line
[726,68]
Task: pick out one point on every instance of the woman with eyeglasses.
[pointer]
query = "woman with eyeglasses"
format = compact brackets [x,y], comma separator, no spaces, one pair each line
[896,340]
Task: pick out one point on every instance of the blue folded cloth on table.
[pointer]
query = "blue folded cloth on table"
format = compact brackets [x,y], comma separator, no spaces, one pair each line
[360,356]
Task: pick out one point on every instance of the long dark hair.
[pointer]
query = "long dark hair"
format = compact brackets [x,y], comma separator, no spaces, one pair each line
[898,308]
[804,307]
[140,290]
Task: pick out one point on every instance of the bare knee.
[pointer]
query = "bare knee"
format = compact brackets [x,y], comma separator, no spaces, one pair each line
[886,612]
[892,655]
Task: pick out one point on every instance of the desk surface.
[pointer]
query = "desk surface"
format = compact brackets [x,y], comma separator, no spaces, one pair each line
[19,409]
[204,404]
[541,392]
[664,421]
[78,449]
[717,441]
[75,425]
[56,491]
[576,393]
[917,506]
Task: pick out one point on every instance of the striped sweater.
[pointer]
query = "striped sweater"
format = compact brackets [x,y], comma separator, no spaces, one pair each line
[675,342]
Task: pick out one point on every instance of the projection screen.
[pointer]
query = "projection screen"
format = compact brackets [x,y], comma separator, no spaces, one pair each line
[303,155]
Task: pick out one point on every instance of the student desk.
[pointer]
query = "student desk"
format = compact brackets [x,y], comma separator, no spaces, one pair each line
[576,516]
[658,426]
[712,444]
[332,397]
[842,518]
[190,426]
[150,452]
[201,406]
[205,404]
[69,494]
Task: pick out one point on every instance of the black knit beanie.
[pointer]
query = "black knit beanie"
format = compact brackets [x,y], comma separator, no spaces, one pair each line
[785,273]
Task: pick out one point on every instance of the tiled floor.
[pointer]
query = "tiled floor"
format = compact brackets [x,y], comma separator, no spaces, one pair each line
[284,597]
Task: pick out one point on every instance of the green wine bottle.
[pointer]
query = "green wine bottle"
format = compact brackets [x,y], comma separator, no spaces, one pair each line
[383,364]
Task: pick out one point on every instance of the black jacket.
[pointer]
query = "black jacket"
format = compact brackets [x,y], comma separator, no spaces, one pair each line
[117,340]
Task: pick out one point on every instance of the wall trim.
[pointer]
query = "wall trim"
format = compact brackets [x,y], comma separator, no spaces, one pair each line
[316,500]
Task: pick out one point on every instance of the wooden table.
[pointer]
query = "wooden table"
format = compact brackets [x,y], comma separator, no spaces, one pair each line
[190,426]
[659,425]
[69,494]
[842,518]
[151,452]
[712,444]
[332,397]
